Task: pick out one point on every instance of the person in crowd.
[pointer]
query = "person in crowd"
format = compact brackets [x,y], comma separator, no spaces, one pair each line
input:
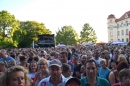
[3,68]
[43,54]
[111,53]
[75,62]
[13,55]
[128,60]
[43,71]
[83,60]
[69,54]
[4,57]
[15,76]
[56,56]
[121,58]
[103,55]
[113,66]
[66,70]
[82,72]
[73,82]
[11,63]
[103,71]
[33,68]
[31,56]
[107,56]
[64,59]
[49,57]
[56,78]
[35,58]
[23,61]
[89,55]
[73,50]
[84,53]
[97,57]
[114,59]
[124,77]
[91,78]
[114,75]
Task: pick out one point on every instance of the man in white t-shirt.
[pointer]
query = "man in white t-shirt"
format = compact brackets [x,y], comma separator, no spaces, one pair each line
[97,57]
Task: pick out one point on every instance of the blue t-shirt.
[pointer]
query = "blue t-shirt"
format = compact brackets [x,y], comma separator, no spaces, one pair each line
[103,74]
[7,59]
[72,66]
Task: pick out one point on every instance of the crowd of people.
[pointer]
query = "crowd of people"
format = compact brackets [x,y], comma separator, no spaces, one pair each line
[105,65]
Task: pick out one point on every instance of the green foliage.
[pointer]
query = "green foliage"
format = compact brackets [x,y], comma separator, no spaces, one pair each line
[14,33]
[7,43]
[8,25]
[67,35]
[28,32]
[87,34]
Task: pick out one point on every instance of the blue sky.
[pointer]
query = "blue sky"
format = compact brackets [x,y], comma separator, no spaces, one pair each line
[57,13]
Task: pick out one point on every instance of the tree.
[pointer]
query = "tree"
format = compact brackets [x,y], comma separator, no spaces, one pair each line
[67,35]
[29,32]
[88,34]
[8,25]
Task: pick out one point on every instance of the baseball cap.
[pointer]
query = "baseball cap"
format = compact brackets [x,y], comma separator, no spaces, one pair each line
[55,62]
[73,79]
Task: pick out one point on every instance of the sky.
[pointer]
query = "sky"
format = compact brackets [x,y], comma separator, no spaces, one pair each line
[58,13]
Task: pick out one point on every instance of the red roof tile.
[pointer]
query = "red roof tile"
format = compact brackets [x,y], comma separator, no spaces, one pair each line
[123,16]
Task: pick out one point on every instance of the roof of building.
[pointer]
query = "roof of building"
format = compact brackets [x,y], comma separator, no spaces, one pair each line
[121,18]
[111,16]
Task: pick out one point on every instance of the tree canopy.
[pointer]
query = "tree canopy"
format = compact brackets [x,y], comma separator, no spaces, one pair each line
[66,35]
[16,33]
[29,32]
[87,34]
[8,25]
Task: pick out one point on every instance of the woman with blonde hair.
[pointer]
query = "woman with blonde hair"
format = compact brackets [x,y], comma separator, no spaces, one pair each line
[43,71]
[103,71]
[11,63]
[122,58]
[15,76]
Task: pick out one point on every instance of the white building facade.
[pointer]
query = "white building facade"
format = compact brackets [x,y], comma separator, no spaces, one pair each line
[119,29]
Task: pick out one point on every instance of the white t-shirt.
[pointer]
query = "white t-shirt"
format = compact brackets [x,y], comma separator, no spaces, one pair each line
[97,61]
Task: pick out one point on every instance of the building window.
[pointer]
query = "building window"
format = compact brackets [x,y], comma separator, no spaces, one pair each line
[111,27]
[121,25]
[118,33]
[123,40]
[110,20]
[122,32]
[111,34]
[127,31]
[127,40]
[117,26]
[126,23]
